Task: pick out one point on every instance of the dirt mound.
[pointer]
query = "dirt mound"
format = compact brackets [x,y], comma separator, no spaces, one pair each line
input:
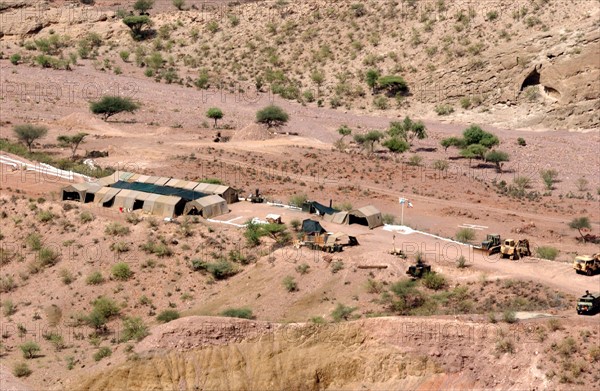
[86,122]
[195,331]
[252,132]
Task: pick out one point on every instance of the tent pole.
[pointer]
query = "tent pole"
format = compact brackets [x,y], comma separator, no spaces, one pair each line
[402,218]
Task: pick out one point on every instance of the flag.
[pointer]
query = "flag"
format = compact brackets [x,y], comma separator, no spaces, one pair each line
[402,200]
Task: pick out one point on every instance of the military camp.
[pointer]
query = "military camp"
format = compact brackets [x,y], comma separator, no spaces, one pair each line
[160,196]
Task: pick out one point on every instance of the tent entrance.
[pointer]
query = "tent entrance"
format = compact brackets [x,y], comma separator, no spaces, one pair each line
[352,219]
[194,212]
[179,207]
[71,196]
[138,204]
[89,197]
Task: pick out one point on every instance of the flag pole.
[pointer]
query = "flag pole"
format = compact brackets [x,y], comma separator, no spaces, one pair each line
[402,218]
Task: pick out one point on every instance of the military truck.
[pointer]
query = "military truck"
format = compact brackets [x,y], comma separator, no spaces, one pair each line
[491,244]
[587,264]
[515,250]
[588,304]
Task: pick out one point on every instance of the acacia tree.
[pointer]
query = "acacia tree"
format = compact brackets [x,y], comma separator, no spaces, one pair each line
[272,116]
[108,106]
[143,6]
[28,133]
[71,142]
[452,142]
[368,140]
[498,158]
[408,130]
[580,223]
[344,131]
[371,78]
[214,113]
[393,84]
[136,24]
[318,77]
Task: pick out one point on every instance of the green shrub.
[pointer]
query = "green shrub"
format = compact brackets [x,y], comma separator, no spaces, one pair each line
[303,268]
[119,247]
[298,200]
[34,241]
[295,224]
[547,252]
[124,54]
[105,307]
[396,145]
[465,235]
[342,312]
[441,165]
[167,315]
[381,102]
[47,257]
[239,257]
[134,328]
[7,284]
[522,182]
[567,347]
[86,217]
[45,216]
[434,281]
[158,249]
[66,276]
[8,308]
[95,278]
[317,320]
[554,325]
[116,229]
[121,271]
[509,316]
[415,160]
[56,340]
[336,266]
[505,346]
[549,177]
[30,349]
[461,263]
[220,270]
[15,58]
[21,370]
[102,353]
[444,109]
[374,286]
[465,102]
[521,141]
[179,4]
[492,15]
[290,284]
[244,313]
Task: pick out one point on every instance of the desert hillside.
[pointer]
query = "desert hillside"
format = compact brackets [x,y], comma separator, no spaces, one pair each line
[484,117]
[528,64]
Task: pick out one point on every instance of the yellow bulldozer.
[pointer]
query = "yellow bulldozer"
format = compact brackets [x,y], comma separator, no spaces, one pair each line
[515,249]
[491,244]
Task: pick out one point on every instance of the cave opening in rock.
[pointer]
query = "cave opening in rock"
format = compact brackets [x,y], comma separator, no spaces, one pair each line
[533,79]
